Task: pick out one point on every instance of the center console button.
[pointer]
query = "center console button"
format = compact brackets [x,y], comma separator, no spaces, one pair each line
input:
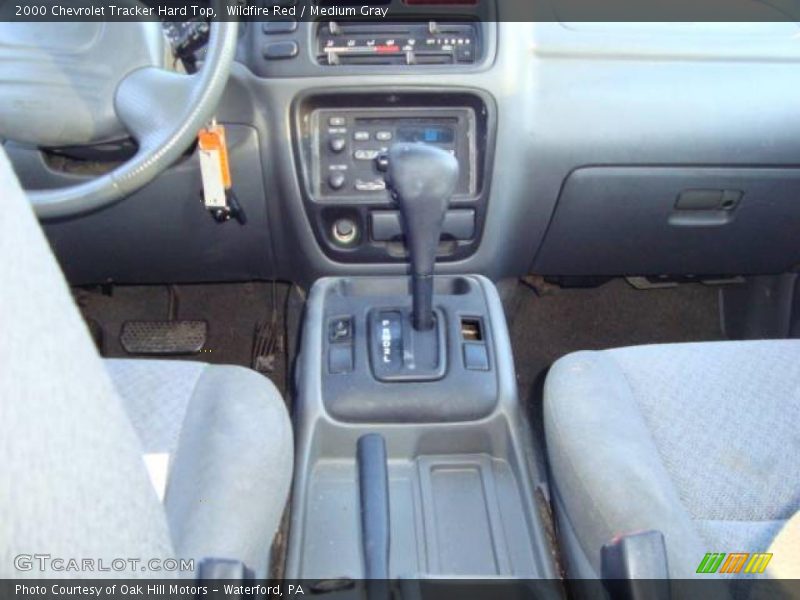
[383,136]
[337,121]
[476,358]
[341,330]
[361,136]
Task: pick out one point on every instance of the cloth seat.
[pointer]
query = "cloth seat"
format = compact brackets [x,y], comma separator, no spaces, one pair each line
[74,430]
[217,442]
[699,441]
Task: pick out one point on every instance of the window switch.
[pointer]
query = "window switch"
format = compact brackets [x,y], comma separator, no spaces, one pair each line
[476,357]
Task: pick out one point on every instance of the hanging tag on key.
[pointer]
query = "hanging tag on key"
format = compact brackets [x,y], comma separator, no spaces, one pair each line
[218,195]
[214,167]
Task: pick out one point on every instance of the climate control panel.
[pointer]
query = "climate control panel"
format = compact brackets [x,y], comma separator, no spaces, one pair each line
[396,43]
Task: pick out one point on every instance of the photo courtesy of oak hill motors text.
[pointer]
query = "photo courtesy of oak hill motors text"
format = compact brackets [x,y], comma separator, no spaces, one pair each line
[207,12]
[156,589]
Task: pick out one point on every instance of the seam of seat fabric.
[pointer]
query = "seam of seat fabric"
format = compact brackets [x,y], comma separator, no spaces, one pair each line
[122,378]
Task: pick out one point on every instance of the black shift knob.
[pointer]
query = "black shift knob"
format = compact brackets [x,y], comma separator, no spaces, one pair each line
[422,180]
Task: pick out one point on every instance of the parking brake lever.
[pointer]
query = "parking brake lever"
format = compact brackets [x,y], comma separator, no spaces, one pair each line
[373,484]
[422,179]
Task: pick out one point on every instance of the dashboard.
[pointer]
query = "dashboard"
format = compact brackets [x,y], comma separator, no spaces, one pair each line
[582,148]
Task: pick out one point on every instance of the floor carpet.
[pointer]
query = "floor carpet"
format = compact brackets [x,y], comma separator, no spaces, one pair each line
[232,310]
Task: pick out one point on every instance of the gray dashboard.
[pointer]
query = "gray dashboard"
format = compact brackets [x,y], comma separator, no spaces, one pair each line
[667,108]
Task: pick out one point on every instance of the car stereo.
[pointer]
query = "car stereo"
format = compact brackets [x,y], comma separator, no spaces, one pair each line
[350,144]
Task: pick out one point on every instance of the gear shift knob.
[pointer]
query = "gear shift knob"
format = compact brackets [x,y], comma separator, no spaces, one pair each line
[422,180]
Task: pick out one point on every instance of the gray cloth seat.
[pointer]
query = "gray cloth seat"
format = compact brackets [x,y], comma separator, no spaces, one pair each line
[699,441]
[74,430]
[224,438]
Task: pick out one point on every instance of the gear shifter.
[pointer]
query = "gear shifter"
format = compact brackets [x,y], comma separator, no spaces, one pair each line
[422,180]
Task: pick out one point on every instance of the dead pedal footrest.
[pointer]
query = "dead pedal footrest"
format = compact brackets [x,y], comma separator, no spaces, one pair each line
[163,337]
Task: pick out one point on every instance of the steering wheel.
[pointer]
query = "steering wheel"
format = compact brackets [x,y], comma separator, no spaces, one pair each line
[161,109]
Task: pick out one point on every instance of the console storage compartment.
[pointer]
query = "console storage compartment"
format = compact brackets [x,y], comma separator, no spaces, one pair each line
[468,514]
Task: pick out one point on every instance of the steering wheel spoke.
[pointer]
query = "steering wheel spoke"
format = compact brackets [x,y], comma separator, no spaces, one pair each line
[151,101]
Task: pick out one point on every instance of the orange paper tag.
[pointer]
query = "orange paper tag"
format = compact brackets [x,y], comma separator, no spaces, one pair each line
[212,139]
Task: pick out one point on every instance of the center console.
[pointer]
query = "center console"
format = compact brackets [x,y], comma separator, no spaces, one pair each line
[413,454]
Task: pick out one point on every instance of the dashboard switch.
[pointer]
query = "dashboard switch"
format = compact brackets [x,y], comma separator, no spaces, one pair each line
[279,26]
[278,50]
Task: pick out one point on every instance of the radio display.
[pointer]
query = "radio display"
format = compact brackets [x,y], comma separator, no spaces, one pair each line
[431,134]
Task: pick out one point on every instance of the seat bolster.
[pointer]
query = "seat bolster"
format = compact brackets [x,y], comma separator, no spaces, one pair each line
[231,472]
[605,465]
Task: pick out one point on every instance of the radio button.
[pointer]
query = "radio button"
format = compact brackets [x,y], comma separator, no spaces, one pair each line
[366,154]
[383,136]
[337,144]
[361,136]
[376,185]
[337,121]
[336,180]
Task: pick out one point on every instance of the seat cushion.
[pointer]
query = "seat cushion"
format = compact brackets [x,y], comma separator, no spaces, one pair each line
[699,441]
[225,441]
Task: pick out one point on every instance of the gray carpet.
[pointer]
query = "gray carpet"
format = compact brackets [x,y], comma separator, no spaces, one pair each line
[543,329]
[232,312]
